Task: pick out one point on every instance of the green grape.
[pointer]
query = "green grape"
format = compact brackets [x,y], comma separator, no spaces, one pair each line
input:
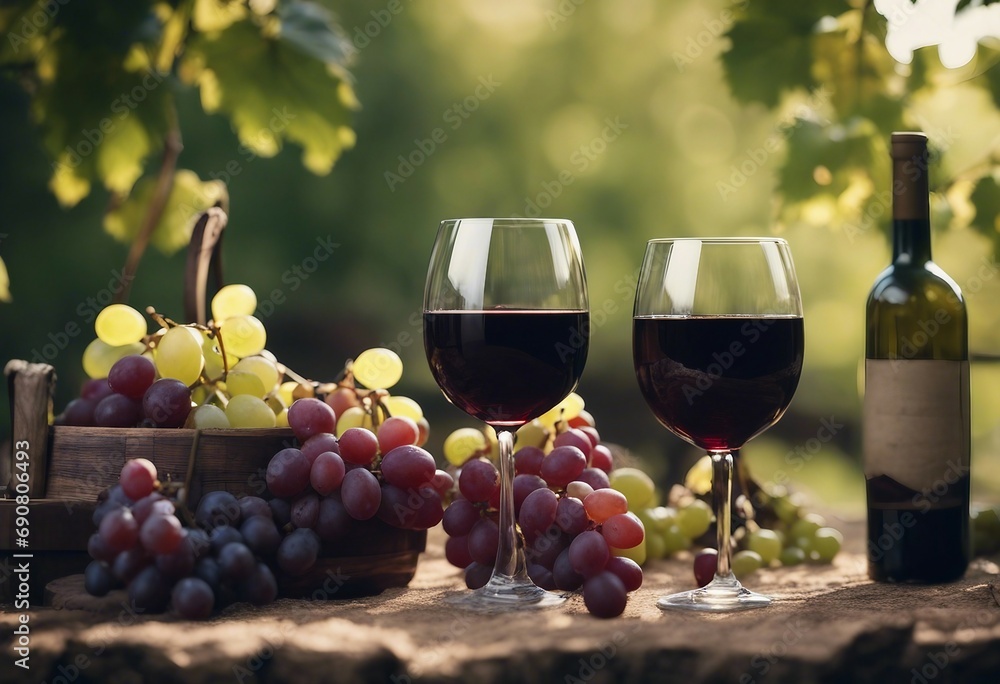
[785,509]
[826,544]
[656,548]
[637,553]
[244,382]
[244,411]
[233,300]
[463,444]
[766,543]
[281,419]
[179,356]
[352,418]
[659,518]
[207,417]
[378,368]
[746,562]
[806,526]
[674,540]
[404,406]
[492,443]
[263,368]
[699,477]
[792,555]
[286,392]
[636,485]
[243,335]
[119,324]
[694,519]
[531,434]
[99,357]
[567,409]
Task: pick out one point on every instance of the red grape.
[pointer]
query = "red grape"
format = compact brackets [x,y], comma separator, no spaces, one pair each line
[528,460]
[408,467]
[119,530]
[95,389]
[479,480]
[138,478]
[538,513]
[571,516]
[253,505]
[167,403]
[477,575]
[288,473]
[397,431]
[589,553]
[117,410]
[484,541]
[563,465]
[459,519]
[320,444]
[565,577]
[79,412]
[132,375]
[298,552]
[327,473]
[595,477]
[130,563]
[305,510]
[705,564]
[342,399]
[601,458]
[604,503]
[309,416]
[154,504]
[628,571]
[623,531]
[358,445]
[193,599]
[525,484]
[361,494]
[333,521]
[604,595]
[576,438]
[456,550]
[541,576]
[442,482]
[591,432]
[161,534]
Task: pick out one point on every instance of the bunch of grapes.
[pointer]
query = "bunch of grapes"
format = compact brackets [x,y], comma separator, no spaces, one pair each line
[577,531]
[216,376]
[234,549]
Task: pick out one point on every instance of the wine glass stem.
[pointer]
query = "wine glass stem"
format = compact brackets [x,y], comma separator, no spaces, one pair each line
[510,555]
[722,490]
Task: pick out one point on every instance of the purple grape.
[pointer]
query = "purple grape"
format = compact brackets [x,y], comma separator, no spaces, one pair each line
[320,444]
[95,389]
[705,564]
[79,412]
[478,575]
[456,551]
[208,569]
[131,376]
[589,553]
[565,577]
[478,481]
[98,550]
[253,505]
[98,579]
[571,516]
[575,438]
[260,588]
[427,509]
[119,531]
[199,541]
[327,472]
[193,598]
[221,536]
[149,591]
[563,465]
[627,570]
[130,563]
[308,417]
[298,552]
[178,563]
[281,511]
[538,513]
[484,541]
[459,518]
[288,473]
[523,485]
[145,507]
[236,561]
[217,509]
[408,467]
[167,403]
[305,509]
[161,534]
[528,460]
[261,535]
[595,477]
[117,410]
[546,547]
[361,494]
[333,521]
[604,595]
[541,576]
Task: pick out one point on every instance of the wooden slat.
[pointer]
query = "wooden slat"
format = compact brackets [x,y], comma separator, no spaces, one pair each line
[53,525]
[29,386]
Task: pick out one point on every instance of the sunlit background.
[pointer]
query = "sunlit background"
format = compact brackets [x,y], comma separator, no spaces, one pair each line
[615,115]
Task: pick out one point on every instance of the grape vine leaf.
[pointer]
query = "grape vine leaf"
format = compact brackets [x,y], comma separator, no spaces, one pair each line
[216,15]
[771,48]
[4,283]
[273,89]
[188,197]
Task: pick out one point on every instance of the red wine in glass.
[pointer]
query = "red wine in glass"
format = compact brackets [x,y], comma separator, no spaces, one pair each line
[506,367]
[717,381]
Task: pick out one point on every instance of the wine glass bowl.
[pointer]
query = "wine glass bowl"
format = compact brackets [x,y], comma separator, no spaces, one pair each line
[506,332]
[717,347]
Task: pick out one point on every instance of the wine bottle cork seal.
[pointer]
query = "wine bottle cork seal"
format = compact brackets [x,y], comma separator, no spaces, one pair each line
[909,176]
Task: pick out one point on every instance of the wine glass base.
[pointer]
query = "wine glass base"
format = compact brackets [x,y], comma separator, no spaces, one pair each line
[502,595]
[718,596]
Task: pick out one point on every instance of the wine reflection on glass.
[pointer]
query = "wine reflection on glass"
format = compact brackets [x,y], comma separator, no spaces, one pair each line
[717,347]
[506,332]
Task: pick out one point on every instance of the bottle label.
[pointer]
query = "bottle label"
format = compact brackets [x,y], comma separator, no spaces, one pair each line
[916,427]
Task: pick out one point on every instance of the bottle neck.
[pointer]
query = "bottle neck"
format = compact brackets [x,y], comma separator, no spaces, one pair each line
[911,241]
[911,225]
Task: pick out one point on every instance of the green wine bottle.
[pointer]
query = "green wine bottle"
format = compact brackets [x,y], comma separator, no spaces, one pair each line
[916,405]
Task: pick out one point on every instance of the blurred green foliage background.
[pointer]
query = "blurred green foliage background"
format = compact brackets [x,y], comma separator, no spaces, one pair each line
[616,115]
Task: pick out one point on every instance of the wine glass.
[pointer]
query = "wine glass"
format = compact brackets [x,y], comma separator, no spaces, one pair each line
[506,331]
[717,345]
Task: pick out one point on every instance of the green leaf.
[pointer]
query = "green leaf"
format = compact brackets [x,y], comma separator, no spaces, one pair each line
[216,15]
[771,49]
[842,149]
[4,283]
[189,196]
[310,28]
[273,90]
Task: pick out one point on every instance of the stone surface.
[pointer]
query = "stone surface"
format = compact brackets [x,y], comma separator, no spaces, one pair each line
[828,624]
